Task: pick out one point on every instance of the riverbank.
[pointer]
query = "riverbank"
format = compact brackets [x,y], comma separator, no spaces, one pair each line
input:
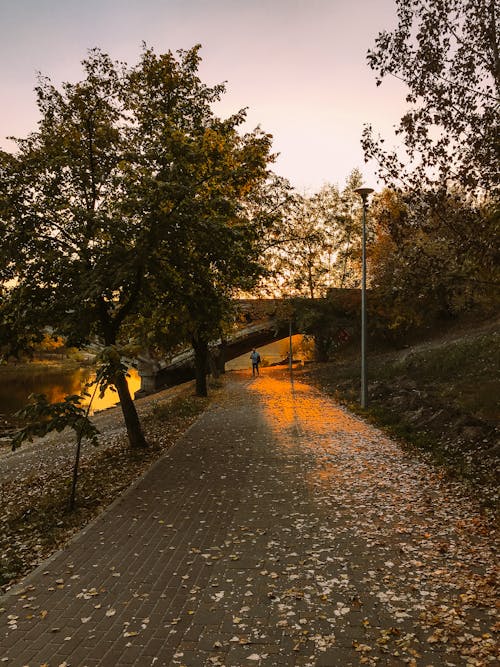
[34,481]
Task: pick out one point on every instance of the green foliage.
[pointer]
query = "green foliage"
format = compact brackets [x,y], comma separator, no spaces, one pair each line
[326,320]
[436,251]
[109,364]
[317,246]
[425,264]
[131,199]
[43,417]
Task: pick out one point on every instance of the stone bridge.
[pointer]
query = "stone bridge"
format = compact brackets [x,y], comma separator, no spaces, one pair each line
[258,322]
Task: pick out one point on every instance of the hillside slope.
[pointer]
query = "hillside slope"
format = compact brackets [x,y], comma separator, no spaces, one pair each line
[439,395]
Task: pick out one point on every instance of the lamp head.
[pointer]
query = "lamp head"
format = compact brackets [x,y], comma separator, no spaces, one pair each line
[363,192]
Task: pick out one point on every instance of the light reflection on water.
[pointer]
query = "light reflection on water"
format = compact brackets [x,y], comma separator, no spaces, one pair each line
[55,383]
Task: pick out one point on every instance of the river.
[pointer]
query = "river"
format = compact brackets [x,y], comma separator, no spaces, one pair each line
[55,381]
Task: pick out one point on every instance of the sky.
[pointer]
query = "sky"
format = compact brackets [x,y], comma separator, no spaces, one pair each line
[298,65]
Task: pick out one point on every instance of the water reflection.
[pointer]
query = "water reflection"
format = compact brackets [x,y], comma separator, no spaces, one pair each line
[110,398]
[55,383]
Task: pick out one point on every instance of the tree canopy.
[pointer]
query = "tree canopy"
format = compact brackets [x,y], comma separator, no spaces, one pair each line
[131,194]
[437,233]
[317,246]
[448,54]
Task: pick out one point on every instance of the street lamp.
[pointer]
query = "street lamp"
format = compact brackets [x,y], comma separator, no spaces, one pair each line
[363,193]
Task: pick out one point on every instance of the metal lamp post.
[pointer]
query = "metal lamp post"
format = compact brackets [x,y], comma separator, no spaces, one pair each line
[363,193]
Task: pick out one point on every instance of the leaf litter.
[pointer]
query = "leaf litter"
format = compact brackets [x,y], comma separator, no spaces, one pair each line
[343,543]
[35,523]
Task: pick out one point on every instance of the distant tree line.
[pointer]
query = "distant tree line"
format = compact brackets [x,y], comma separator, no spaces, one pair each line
[433,232]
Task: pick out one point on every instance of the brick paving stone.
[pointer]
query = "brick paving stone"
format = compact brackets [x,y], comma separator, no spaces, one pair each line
[261,538]
[334,657]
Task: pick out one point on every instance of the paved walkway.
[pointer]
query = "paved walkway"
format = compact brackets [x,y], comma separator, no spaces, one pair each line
[280,530]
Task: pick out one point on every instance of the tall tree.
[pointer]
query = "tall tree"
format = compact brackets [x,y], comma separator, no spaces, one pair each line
[318,244]
[442,243]
[448,54]
[223,258]
[443,266]
[101,206]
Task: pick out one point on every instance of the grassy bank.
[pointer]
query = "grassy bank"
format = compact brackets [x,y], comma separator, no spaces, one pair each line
[439,397]
[45,366]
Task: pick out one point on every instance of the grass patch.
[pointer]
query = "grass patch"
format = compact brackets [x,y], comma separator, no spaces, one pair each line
[36,368]
[463,372]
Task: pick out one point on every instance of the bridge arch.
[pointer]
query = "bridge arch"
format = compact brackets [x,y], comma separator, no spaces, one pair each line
[262,321]
[155,376]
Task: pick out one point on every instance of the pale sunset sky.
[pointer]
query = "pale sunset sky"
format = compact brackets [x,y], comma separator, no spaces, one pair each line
[298,65]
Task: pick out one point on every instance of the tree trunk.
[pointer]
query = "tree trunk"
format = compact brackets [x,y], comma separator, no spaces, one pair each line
[221,361]
[134,431]
[213,362]
[135,435]
[200,347]
[310,282]
[344,268]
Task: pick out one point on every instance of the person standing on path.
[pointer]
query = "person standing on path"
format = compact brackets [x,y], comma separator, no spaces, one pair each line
[255,358]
